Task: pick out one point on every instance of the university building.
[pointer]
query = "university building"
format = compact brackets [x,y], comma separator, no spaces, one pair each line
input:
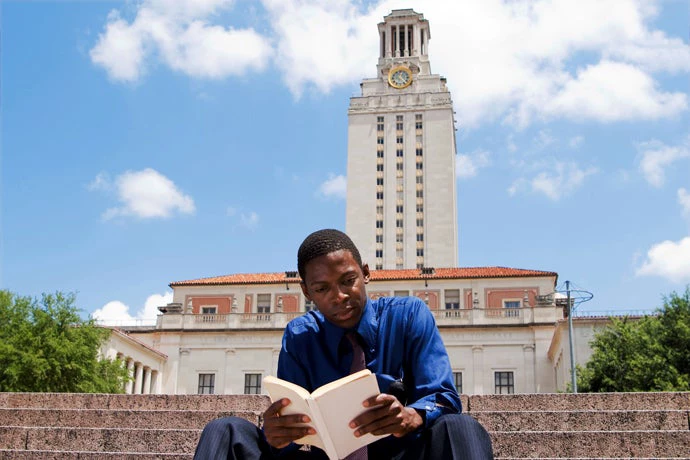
[504,328]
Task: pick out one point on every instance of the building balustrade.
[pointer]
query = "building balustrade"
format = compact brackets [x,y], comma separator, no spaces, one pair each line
[444,317]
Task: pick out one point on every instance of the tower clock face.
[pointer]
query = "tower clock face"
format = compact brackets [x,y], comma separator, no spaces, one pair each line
[399,77]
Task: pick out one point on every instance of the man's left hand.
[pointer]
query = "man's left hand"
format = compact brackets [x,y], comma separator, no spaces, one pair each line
[386,416]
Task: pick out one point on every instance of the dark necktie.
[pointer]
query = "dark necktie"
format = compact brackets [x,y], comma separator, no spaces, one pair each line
[358,363]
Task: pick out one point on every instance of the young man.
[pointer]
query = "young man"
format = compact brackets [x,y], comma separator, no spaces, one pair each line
[418,407]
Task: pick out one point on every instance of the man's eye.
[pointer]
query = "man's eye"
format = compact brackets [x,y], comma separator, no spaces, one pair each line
[350,281]
[320,290]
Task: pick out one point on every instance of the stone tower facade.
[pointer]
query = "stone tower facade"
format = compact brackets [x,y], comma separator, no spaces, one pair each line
[401,195]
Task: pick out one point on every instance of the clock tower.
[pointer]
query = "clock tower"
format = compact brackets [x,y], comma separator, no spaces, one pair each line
[401,196]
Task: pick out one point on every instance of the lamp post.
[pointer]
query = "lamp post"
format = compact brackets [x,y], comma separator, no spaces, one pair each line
[573,370]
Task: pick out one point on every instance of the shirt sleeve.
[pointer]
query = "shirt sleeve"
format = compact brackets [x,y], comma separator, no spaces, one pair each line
[428,370]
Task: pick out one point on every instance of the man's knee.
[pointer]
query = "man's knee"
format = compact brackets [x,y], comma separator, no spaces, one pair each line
[465,430]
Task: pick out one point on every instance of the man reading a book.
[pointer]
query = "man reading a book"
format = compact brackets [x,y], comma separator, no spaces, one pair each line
[396,338]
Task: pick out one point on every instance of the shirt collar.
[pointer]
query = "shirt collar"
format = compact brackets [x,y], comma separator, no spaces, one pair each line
[367,329]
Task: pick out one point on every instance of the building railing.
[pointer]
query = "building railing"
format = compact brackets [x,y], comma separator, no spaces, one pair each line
[444,317]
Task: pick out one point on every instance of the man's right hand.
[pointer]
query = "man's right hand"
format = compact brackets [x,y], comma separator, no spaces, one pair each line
[281,430]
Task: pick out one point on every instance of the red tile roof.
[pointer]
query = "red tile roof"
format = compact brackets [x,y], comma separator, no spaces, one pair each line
[376,275]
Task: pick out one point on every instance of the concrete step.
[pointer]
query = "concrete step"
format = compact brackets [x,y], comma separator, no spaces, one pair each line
[580,401]
[99,439]
[139,402]
[588,444]
[87,455]
[589,420]
[117,418]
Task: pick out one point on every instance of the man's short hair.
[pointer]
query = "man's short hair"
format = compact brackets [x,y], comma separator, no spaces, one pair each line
[323,242]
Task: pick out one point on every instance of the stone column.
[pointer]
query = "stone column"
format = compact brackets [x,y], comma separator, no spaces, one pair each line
[389,41]
[478,369]
[138,378]
[529,379]
[129,386]
[147,380]
[154,382]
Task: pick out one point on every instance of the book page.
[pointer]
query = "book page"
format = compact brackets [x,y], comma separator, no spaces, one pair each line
[340,403]
[298,396]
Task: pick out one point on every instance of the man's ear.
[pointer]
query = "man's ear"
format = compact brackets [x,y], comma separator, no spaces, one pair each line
[365,272]
[304,290]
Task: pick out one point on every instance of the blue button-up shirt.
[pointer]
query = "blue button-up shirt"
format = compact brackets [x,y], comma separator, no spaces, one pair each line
[400,341]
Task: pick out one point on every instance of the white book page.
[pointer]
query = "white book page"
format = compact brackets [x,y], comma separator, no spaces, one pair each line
[339,407]
[278,389]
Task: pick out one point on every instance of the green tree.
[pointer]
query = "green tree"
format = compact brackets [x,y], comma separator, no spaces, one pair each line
[45,346]
[649,354]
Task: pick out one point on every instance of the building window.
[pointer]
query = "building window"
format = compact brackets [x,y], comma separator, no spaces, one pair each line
[420,208]
[420,165]
[418,121]
[379,266]
[379,167]
[379,209]
[263,303]
[252,384]
[379,253]
[512,308]
[504,383]
[399,223]
[399,166]
[420,222]
[399,208]
[399,140]
[399,238]
[420,236]
[419,152]
[379,238]
[379,195]
[379,224]
[420,193]
[452,298]
[379,140]
[420,252]
[309,305]
[379,181]
[457,379]
[398,118]
[207,384]
[379,154]
[399,153]
[420,179]
[209,310]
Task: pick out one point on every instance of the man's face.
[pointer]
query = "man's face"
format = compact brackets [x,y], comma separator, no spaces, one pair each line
[336,284]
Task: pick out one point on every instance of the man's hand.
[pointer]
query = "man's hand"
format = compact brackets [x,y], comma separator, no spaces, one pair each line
[387,416]
[281,430]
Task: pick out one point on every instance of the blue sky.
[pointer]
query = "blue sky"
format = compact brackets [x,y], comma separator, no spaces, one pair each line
[145,142]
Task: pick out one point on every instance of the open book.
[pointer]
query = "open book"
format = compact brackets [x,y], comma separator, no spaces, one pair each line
[331,408]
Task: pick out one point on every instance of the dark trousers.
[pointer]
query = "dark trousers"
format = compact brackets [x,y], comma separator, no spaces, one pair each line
[451,437]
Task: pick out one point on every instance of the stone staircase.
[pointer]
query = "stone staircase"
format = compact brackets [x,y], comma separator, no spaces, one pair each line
[82,426]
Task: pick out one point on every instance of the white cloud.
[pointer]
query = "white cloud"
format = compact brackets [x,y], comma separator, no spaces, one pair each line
[668,259]
[147,194]
[117,313]
[656,156]
[100,182]
[177,33]
[562,179]
[468,165]
[530,59]
[543,139]
[334,186]
[576,142]
[684,201]
[612,91]
[249,220]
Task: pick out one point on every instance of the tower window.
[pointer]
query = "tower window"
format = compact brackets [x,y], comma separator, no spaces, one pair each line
[399,223]
[379,195]
[420,166]
[419,152]
[399,166]
[420,222]
[399,208]
[420,236]
[379,140]
[399,140]
[379,167]
[420,193]
[399,153]
[379,154]
[379,181]
[420,252]
[379,224]
[379,238]
[379,253]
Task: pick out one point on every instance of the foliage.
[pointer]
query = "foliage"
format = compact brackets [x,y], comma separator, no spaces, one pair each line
[649,354]
[46,347]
